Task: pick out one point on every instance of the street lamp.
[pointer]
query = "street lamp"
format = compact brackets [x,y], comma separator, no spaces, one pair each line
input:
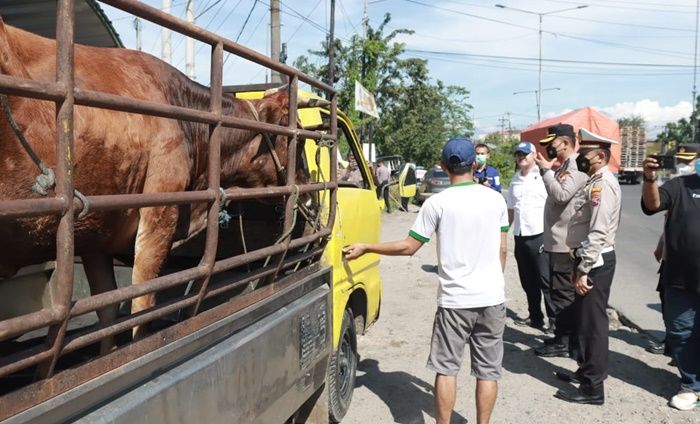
[539,90]
[537,96]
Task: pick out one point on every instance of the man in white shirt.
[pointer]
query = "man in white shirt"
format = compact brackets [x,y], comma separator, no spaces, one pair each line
[471,223]
[525,198]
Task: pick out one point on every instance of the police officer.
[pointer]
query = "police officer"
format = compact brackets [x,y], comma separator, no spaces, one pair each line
[561,186]
[591,238]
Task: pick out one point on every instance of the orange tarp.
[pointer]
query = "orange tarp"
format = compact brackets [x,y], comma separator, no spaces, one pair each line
[587,118]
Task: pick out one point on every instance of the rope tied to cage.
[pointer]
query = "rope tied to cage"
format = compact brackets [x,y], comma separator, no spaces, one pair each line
[46,180]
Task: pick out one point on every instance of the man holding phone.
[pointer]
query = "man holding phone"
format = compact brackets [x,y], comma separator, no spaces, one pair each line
[680,275]
[591,238]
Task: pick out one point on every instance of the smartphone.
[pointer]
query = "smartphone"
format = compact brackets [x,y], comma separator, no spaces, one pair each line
[665,161]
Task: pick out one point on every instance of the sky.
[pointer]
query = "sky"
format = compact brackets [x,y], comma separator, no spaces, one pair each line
[622,57]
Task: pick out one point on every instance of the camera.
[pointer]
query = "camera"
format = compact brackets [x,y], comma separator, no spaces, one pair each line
[665,161]
[482,180]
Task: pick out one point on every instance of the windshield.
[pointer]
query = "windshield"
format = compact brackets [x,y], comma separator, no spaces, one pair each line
[439,174]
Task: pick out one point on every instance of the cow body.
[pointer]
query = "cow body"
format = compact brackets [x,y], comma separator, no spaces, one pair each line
[121,153]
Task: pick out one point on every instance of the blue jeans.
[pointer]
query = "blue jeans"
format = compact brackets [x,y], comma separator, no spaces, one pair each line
[682,318]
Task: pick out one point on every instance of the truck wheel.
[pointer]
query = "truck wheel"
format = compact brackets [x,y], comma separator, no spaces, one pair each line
[341,370]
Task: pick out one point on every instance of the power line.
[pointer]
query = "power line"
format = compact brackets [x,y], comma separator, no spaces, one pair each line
[607,5]
[607,43]
[247,18]
[655,65]
[302,22]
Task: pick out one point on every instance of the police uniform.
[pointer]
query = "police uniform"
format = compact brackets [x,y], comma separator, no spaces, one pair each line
[561,186]
[591,238]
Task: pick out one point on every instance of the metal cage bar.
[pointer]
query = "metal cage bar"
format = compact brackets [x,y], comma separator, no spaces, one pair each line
[66,96]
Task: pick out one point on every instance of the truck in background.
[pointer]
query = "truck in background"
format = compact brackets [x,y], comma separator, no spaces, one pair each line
[633,150]
[275,337]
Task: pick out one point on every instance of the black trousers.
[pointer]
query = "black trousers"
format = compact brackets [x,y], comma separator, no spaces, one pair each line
[533,268]
[592,323]
[383,190]
[561,266]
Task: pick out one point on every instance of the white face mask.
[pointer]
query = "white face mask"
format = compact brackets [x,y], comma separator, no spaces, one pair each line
[684,169]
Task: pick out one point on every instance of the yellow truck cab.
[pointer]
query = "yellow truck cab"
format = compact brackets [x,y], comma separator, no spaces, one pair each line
[357,288]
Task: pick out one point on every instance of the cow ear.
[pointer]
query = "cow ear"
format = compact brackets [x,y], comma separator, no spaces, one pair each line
[274,109]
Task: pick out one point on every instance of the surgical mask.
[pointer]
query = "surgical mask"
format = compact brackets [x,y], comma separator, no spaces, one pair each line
[697,166]
[583,164]
[480,159]
[685,169]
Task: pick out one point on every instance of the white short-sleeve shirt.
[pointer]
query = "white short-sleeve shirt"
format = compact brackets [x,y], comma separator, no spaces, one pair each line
[468,219]
[527,196]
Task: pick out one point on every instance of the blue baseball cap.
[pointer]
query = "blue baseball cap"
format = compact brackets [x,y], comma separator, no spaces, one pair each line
[458,152]
[525,147]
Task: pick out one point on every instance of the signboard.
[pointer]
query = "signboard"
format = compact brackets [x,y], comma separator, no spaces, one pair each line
[364,101]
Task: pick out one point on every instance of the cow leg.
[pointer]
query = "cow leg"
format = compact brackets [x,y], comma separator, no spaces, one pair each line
[100,274]
[157,226]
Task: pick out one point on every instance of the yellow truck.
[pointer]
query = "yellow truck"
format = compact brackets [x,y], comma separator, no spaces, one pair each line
[357,288]
[253,321]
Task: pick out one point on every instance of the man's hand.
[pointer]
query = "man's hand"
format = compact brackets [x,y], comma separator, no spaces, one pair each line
[543,163]
[650,166]
[582,286]
[354,251]
[486,183]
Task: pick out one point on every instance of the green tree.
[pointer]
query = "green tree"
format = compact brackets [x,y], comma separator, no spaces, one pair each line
[685,130]
[417,113]
[634,121]
[502,147]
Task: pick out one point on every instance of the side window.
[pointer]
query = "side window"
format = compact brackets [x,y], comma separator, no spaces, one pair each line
[351,172]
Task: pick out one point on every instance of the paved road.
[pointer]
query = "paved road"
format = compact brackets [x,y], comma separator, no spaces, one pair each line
[633,293]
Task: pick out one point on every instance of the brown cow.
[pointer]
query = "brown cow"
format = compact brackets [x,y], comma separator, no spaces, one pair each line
[117,153]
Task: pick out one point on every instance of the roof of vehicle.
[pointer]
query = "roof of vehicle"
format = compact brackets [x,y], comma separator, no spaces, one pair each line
[92,27]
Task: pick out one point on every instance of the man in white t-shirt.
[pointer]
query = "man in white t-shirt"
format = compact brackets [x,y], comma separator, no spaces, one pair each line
[525,199]
[471,223]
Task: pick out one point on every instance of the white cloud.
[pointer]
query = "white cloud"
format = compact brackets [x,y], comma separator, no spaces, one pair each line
[651,110]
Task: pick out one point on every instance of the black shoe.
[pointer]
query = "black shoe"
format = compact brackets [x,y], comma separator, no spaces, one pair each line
[656,348]
[553,350]
[523,322]
[584,395]
[568,377]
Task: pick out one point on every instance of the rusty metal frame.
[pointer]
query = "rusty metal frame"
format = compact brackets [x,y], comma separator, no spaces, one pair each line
[66,96]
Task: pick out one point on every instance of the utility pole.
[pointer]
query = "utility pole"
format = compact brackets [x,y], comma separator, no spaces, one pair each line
[694,120]
[538,92]
[189,49]
[137,27]
[365,21]
[275,37]
[165,35]
[331,47]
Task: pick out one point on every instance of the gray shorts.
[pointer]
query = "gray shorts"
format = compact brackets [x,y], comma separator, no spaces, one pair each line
[482,328]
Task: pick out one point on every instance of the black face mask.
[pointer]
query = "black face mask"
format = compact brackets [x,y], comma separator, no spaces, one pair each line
[583,164]
[551,151]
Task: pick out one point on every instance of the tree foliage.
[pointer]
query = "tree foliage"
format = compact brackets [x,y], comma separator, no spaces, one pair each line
[682,131]
[417,113]
[634,121]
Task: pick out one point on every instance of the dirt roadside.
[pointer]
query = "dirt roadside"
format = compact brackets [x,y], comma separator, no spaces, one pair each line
[393,384]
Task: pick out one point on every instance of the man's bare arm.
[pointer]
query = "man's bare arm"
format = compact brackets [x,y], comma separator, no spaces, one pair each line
[511,216]
[650,189]
[504,249]
[405,247]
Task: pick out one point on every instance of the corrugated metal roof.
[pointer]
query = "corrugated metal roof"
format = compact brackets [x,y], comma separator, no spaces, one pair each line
[39,16]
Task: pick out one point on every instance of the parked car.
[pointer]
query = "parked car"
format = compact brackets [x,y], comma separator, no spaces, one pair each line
[434,181]
[420,173]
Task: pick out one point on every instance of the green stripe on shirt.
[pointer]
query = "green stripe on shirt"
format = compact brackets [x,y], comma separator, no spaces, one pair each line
[505,228]
[418,237]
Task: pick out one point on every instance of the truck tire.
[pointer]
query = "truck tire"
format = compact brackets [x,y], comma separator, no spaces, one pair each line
[342,369]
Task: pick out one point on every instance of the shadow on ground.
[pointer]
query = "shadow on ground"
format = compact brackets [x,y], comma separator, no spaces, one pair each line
[406,395]
[519,358]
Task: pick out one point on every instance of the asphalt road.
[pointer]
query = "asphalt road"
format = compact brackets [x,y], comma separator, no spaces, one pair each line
[633,292]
